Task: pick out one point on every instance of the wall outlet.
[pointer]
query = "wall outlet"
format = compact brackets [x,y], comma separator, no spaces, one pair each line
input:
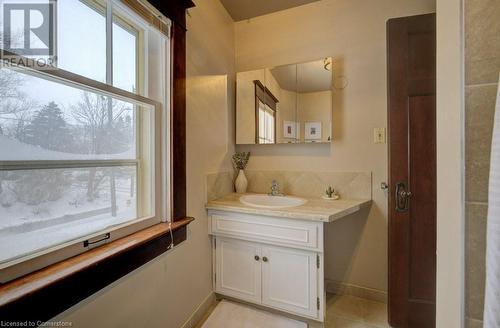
[379,135]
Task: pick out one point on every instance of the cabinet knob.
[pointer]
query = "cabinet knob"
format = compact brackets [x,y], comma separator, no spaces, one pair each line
[257,257]
[264,259]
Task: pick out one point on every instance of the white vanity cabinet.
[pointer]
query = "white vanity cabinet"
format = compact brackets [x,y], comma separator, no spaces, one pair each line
[290,280]
[274,257]
[270,261]
[238,269]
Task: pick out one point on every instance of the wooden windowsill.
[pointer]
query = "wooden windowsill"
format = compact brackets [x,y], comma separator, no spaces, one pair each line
[30,284]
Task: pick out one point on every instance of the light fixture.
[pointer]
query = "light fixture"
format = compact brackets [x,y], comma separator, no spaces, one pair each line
[327,63]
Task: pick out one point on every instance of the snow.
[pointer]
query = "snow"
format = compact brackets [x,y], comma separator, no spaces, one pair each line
[30,242]
[19,151]
[25,229]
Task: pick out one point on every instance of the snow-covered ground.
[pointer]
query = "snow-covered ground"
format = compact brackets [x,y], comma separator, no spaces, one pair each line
[15,150]
[20,244]
[15,213]
[28,228]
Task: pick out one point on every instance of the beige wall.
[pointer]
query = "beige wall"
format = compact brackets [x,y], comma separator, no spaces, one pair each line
[354,33]
[287,111]
[482,65]
[165,292]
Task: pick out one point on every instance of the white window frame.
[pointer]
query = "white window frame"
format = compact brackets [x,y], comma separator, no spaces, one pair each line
[159,193]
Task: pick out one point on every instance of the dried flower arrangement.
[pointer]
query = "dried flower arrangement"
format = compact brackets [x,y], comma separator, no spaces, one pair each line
[240,160]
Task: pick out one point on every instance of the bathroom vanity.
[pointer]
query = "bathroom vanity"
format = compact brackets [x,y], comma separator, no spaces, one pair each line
[269,250]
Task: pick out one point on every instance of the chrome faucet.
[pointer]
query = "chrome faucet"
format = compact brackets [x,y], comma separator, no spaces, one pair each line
[275,189]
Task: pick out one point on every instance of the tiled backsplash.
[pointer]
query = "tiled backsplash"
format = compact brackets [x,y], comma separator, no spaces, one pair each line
[312,184]
[352,185]
[219,185]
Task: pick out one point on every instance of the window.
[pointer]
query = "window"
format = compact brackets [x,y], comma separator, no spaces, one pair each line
[265,114]
[266,124]
[83,156]
[81,38]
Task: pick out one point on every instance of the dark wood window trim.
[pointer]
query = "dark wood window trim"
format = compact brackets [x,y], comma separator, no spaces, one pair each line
[264,95]
[41,295]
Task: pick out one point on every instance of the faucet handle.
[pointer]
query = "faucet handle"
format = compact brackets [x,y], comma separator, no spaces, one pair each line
[274,185]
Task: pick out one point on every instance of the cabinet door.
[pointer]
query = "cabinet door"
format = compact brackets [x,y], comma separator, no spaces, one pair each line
[290,280]
[238,269]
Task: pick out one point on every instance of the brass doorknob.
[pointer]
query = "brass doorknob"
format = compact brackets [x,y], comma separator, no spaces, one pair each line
[264,259]
[257,258]
[402,196]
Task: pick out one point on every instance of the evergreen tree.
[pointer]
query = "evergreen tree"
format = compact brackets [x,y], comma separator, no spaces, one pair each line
[48,129]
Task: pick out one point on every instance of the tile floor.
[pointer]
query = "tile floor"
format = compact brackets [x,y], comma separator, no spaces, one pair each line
[232,314]
[347,311]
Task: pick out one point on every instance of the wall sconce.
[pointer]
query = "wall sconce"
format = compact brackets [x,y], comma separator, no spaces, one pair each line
[327,63]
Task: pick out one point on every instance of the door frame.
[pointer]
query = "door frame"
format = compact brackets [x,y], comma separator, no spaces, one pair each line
[450,164]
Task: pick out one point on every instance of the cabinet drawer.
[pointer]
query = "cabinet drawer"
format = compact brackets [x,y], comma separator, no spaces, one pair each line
[289,232]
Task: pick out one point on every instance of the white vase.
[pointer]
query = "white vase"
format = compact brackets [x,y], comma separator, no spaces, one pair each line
[241,183]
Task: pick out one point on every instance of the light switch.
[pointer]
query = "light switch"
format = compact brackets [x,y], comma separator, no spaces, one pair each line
[379,135]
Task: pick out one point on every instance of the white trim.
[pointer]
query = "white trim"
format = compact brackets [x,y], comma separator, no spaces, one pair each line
[109,42]
[450,164]
[166,135]
[85,84]
[64,164]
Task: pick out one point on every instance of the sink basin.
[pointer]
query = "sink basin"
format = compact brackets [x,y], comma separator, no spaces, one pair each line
[266,201]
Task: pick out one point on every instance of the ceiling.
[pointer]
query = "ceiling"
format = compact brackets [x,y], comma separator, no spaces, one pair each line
[245,9]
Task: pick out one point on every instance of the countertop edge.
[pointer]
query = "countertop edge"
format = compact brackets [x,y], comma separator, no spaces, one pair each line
[326,218]
[271,213]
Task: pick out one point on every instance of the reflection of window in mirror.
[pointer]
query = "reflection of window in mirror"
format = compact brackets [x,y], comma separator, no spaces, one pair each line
[265,115]
[267,123]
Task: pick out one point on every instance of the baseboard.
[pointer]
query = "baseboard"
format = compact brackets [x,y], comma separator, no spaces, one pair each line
[341,288]
[200,311]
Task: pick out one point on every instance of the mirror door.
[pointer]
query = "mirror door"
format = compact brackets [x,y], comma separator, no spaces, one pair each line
[285,104]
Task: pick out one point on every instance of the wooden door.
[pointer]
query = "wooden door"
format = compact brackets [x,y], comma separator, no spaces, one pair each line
[412,170]
[290,280]
[238,269]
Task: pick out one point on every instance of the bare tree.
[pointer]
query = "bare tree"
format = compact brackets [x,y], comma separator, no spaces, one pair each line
[13,107]
[10,83]
[102,118]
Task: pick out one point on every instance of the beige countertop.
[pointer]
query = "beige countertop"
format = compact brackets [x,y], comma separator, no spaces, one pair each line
[316,209]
